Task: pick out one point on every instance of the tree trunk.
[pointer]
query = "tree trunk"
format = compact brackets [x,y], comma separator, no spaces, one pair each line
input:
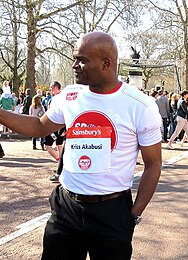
[31,49]
[186,63]
[15,80]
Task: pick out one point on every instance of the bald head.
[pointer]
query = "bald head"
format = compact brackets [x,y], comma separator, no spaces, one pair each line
[102,42]
[95,55]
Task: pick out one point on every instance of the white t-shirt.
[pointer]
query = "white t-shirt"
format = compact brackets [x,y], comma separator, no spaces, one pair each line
[134,120]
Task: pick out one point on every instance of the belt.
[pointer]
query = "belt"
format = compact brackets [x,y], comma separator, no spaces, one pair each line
[94,198]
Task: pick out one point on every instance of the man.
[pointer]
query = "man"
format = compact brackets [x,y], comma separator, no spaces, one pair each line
[108,122]
[58,136]
[164,110]
[7,103]
[46,100]
[15,98]
[27,102]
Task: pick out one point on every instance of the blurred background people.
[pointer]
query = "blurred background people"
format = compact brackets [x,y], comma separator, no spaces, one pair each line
[154,94]
[164,110]
[37,109]
[182,118]
[15,98]
[58,136]
[6,88]
[173,103]
[46,100]
[7,102]
[26,102]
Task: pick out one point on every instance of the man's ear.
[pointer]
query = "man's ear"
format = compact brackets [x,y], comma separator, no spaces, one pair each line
[106,63]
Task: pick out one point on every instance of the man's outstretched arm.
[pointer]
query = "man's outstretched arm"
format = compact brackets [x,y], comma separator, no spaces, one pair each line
[28,125]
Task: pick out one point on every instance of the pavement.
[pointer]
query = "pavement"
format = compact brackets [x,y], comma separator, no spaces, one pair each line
[24,207]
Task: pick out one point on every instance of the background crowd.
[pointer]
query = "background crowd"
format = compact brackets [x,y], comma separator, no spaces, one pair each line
[35,105]
[173,108]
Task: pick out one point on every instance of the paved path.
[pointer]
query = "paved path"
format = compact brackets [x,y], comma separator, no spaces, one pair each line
[25,189]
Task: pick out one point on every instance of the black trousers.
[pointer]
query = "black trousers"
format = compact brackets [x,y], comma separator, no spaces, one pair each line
[34,141]
[165,127]
[61,162]
[1,149]
[104,229]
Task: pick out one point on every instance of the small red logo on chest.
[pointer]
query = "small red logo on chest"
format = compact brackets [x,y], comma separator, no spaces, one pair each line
[84,162]
[71,96]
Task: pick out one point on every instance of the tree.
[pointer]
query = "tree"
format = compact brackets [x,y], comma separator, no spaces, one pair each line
[85,17]
[36,20]
[10,52]
[54,27]
[175,14]
[157,59]
[104,15]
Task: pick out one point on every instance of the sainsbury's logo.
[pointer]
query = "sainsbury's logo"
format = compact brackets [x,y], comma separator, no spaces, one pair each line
[71,96]
[95,118]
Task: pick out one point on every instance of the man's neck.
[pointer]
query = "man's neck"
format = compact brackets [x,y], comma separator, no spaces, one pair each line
[105,88]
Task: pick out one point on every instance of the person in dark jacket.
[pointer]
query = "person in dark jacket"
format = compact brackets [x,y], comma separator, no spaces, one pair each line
[182,118]
[27,102]
[173,103]
[164,110]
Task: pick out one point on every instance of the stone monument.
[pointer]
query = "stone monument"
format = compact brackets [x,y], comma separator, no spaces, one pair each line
[135,70]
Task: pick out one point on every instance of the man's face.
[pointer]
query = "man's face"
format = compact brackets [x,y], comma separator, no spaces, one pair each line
[39,93]
[87,66]
[186,97]
[53,89]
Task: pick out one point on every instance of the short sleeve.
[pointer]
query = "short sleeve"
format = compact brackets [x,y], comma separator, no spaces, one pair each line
[55,112]
[149,131]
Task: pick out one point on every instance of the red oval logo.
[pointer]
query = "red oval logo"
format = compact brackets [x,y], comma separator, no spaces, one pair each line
[84,162]
[95,118]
